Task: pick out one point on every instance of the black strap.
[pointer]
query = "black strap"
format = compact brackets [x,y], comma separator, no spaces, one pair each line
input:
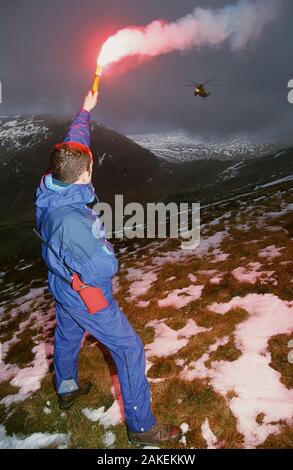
[56,254]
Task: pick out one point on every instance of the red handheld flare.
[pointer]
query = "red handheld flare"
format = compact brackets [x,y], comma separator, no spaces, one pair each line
[96,82]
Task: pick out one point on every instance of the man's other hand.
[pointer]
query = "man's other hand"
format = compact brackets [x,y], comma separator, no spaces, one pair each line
[90,100]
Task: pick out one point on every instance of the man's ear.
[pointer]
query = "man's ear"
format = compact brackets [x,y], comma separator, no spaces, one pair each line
[86,176]
[83,178]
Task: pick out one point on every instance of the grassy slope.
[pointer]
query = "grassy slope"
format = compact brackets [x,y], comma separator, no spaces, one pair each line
[199,400]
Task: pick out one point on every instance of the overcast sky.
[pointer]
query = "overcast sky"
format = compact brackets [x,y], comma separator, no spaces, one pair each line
[48,51]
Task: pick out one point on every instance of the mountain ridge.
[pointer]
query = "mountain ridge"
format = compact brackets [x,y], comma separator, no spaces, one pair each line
[124,167]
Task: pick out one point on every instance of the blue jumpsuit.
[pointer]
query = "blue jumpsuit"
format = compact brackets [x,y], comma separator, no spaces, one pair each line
[66,222]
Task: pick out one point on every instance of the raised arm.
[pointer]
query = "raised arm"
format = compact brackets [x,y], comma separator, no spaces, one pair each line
[79,131]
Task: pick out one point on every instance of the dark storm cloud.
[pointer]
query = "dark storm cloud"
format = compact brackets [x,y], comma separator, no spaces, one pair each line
[48,51]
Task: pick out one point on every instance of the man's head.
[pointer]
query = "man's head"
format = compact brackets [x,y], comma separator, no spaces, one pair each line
[71,162]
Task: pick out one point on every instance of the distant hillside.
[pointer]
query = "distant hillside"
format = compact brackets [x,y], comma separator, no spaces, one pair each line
[177,147]
[124,167]
[205,181]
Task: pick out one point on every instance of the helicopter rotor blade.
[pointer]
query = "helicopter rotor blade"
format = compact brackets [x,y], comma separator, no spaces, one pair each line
[193,83]
[214,84]
[209,81]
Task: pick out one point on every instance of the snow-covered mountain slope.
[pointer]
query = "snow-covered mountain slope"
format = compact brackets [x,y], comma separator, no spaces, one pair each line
[179,147]
[20,133]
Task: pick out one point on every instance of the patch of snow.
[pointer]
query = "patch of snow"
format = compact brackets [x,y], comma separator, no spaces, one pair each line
[230,172]
[184,428]
[198,369]
[286,210]
[281,180]
[279,154]
[251,274]
[257,386]
[28,379]
[25,267]
[168,341]
[143,303]
[208,435]
[110,417]
[216,221]
[180,362]
[216,279]
[244,227]
[181,297]
[11,399]
[22,133]
[211,242]
[34,441]
[178,256]
[150,447]
[142,282]
[270,252]
[219,255]
[179,147]
[109,439]
[32,295]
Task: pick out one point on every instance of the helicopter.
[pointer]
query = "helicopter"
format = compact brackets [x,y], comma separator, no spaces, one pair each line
[198,88]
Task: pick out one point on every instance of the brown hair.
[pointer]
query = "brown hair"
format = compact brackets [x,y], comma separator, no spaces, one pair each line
[69,160]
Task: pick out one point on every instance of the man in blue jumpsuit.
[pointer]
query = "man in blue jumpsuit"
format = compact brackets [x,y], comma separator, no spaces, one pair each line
[65,219]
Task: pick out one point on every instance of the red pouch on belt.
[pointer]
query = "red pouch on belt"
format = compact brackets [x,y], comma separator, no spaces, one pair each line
[92,297]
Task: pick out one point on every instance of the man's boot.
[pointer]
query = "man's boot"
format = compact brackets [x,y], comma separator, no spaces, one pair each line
[157,435]
[66,400]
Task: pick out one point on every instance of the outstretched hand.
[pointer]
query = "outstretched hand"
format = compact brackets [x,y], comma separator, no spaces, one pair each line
[90,100]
